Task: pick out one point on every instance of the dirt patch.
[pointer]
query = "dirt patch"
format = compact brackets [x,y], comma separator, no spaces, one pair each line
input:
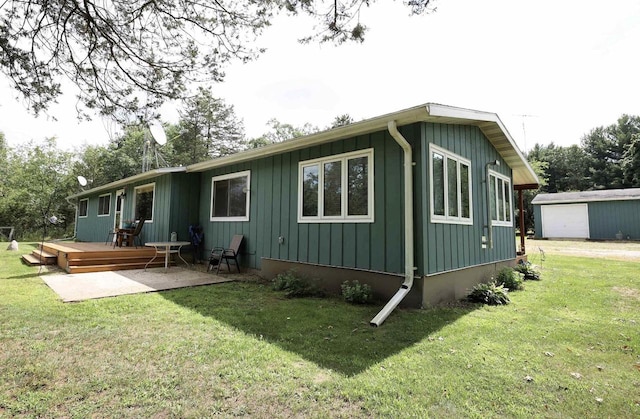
[628,292]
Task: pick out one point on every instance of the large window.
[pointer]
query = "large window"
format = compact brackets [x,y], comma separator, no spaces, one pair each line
[450,187]
[336,188]
[144,202]
[500,196]
[83,207]
[230,197]
[104,205]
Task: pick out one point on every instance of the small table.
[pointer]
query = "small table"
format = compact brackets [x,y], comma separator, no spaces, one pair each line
[121,232]
[166,249]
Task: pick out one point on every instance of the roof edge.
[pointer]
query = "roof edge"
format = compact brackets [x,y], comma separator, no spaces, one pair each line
[421,113]
[135,178]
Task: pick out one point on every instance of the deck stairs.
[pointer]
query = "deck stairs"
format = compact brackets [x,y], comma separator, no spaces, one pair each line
[40,257]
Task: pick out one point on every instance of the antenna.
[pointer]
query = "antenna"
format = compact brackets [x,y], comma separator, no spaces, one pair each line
[82,181]
[524,129]
[150,152]
[157,132]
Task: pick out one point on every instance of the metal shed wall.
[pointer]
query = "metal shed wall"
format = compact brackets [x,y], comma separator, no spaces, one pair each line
[606,219]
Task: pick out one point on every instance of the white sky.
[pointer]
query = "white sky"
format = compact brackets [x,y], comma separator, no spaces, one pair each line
[552,71]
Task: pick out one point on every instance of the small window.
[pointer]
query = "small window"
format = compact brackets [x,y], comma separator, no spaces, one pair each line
[104,205]
[500,195]
[336,188]
[144,200]
[83,207]
[230,197]
[450,187]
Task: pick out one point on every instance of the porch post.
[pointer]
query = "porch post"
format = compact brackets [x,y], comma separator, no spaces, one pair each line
[521,211]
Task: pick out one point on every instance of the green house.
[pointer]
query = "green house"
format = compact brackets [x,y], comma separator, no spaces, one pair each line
[418,203]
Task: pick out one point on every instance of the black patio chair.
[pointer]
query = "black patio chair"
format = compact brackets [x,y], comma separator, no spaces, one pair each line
[130,236]
[110,235]
[220,254]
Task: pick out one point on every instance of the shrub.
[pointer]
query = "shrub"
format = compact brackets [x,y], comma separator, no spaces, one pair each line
[510,279]
[296,286]
[527,270]
[490,293]
[356,293]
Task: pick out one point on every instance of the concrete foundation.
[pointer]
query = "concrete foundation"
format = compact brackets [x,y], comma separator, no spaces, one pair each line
[384,284]
[455,285]
[426,291]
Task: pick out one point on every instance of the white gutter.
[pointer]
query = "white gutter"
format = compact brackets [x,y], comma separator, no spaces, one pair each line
[408,227]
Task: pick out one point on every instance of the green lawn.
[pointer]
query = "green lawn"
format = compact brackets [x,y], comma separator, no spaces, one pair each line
[567,346]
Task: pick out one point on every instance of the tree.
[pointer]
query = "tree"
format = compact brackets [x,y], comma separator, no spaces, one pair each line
[606,147]
[38,181]
[341,120]
[208,128]
[126,55]
[281,132]
[340,20]
[564,168]
[631,162]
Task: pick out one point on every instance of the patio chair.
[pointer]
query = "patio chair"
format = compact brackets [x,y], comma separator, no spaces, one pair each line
[219,254]
[110,235]
[130,236]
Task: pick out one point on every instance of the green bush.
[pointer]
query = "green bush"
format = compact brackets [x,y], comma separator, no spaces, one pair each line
[527,270]
[490,293]
[510,279]
[356,293]
[296,286]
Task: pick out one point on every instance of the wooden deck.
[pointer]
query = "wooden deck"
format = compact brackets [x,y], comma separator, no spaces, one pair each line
[79,257]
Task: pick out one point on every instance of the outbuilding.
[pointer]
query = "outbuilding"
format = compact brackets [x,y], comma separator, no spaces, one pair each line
[598,215]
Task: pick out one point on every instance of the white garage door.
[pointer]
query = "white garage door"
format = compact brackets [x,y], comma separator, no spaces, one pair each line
[565,221]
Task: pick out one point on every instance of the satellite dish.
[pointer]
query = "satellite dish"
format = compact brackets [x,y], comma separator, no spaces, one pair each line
[157,132]
[82,181]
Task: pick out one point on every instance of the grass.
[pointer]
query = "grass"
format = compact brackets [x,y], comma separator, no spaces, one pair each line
[567,346]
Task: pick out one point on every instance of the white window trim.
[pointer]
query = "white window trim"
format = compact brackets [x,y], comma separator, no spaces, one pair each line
[342,158]
[446,218]
[247,174]
[87,211]
[493,177]
[153,203]
[108,213]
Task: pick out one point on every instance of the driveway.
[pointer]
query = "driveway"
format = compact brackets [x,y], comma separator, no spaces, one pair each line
[85,286]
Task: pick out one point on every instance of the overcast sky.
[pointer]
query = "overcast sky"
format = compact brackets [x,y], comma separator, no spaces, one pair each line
[552,71]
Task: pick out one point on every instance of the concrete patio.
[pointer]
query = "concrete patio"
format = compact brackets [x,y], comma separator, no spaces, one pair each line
[86,286]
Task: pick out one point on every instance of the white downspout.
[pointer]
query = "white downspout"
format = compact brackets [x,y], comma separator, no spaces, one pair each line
[408,228]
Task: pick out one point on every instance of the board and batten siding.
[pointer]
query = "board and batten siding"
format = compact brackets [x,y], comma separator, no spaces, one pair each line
[184,201]
[453,246]
[607,218]
[93,228]
[376,246]
[175,208]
